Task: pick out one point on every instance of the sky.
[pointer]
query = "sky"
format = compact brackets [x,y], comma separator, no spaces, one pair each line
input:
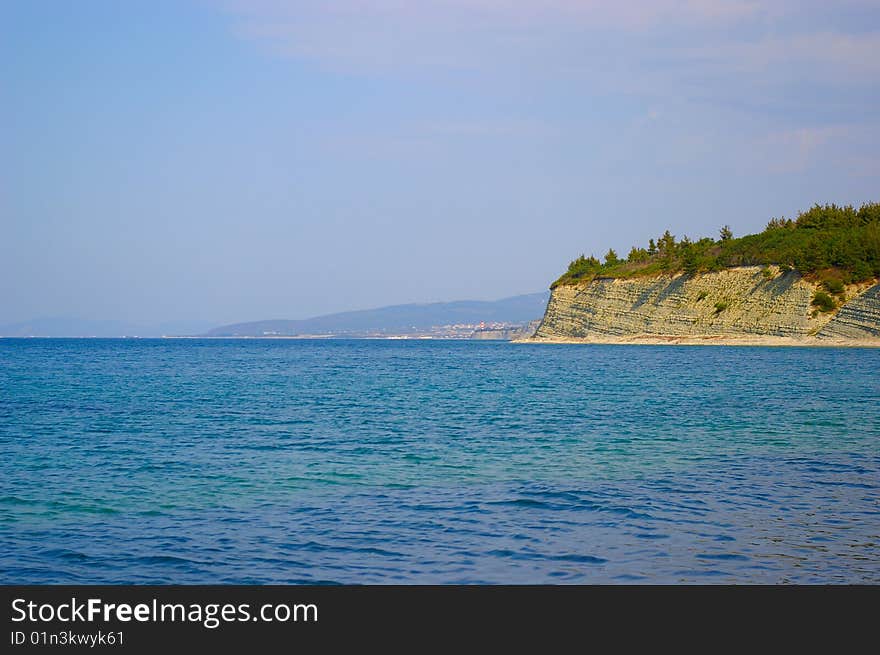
[234,160]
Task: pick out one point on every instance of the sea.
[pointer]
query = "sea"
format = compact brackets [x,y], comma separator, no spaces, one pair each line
[182,461]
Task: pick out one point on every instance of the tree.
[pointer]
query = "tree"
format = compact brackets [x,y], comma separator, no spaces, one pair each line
[690,262]
[637,255]
[778,224]
[812,257]
[666,248]
[666,243]
[822,238]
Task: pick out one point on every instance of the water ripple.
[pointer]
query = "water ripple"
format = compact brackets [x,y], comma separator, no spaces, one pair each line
[380,462]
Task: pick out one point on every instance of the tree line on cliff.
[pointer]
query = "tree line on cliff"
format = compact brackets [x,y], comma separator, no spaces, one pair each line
[841,244]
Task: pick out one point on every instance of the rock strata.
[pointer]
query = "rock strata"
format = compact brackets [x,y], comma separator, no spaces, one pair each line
[857,319]
[736,302]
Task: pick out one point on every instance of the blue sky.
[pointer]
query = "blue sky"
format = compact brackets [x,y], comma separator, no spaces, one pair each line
[238,160]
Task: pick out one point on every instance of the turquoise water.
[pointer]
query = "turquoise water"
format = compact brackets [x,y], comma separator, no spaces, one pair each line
[279,461]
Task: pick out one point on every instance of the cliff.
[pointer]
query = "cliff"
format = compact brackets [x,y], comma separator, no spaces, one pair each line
[739,303]
[857,319]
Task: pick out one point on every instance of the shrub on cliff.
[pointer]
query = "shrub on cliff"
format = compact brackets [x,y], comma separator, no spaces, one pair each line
[834,285]
[583,268]
[823,302]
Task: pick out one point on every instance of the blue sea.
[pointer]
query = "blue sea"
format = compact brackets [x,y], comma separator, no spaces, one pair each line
[334,461]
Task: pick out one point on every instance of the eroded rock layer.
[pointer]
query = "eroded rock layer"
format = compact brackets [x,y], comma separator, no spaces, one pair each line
[743,301]
[857,319]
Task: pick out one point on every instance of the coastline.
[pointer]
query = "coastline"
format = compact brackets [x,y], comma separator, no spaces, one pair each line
[709,340]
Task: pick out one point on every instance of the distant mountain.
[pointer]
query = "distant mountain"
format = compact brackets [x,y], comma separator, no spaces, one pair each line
[75,327]
[385,321]
[398,319]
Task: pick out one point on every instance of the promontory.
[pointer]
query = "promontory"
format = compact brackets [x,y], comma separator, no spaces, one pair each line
[812,280]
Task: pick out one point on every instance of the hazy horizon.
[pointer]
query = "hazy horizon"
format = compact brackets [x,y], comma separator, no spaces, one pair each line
[228,161]
[71,326]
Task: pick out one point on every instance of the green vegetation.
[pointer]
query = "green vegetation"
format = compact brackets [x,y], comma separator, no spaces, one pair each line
[721,305]
[834,285]
[823,302]
[838,245]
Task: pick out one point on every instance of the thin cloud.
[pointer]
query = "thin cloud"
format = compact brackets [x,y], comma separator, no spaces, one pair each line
[390,33]
[796,71]
[830,55]
[567,36]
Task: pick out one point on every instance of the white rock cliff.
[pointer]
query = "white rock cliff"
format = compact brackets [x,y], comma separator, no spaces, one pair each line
[738,302]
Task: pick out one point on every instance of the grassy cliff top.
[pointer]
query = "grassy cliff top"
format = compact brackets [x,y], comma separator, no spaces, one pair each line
[840,243]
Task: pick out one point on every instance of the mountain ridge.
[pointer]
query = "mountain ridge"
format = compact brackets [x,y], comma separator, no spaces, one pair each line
[401,319]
